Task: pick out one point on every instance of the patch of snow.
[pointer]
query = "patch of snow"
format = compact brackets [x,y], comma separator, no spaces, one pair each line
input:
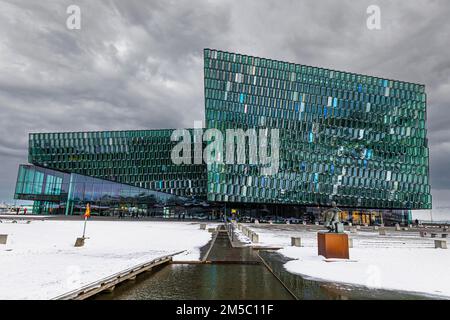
[40,261]
[241,237]
[416,270]
[397,261]
[22,216]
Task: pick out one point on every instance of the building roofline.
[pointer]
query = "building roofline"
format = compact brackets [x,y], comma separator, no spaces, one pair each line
[317,67]
[101,131]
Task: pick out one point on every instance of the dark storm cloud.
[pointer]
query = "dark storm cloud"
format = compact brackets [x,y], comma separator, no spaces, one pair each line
[138,64]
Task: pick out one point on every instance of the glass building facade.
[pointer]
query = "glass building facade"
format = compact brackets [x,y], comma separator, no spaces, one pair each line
[68,193]
[140,158]
[356,139]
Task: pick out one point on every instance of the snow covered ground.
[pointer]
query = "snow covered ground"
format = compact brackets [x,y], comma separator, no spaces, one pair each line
[23,216]
[40,261]
[397,261]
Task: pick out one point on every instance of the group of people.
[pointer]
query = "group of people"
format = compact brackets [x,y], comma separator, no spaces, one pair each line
[18,210]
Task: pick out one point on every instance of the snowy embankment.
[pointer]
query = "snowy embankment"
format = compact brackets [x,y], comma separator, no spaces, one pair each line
[40,261]
[398,261]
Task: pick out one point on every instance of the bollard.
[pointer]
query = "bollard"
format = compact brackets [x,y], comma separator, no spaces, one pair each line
[296,241]
[79,242]
[350,243]
[397,227]
[442,244]
[255,237]
[202,226]
[304,223]
[256,221]
[382,232]
[350,224]
[3,238]
[316,223]
[358,227]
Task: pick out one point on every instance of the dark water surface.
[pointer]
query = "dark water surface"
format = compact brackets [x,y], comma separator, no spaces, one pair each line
[203,281]
[238,273]
[312,289]
[235,273]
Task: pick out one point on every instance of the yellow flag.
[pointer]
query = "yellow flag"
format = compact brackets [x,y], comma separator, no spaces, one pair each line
[87,213]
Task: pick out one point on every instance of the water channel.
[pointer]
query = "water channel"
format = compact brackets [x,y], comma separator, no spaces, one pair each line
[234,273]
[237,274]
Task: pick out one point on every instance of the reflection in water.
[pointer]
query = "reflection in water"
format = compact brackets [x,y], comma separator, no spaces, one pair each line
[246,278]
[203,281]
[307,289]
[223,251]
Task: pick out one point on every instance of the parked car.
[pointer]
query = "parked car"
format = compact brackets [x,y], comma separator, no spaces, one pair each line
[309,218]
[246,219]
[293,220]
[263,219]
[275,219]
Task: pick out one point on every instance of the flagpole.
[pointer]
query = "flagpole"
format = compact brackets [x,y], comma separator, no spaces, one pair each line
[84,228]
[87,214]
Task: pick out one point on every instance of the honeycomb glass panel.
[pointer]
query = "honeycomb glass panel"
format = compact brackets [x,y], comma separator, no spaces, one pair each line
[354,139]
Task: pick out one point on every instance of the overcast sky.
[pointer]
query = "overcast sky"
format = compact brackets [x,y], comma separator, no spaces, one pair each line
[138,64]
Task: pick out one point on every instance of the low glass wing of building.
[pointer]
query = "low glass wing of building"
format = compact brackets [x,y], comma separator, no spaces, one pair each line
[68,193]
[41,184]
